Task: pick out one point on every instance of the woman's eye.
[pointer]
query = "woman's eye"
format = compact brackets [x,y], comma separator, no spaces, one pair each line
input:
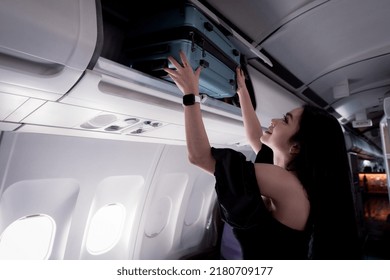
[285,118]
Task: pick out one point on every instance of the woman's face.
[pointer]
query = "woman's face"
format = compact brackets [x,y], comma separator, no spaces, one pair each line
[278,135]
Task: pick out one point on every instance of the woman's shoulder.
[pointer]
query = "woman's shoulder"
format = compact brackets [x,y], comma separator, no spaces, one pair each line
[291,203]
[275,178]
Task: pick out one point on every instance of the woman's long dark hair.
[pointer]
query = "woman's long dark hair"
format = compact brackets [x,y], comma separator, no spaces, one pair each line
[322,166]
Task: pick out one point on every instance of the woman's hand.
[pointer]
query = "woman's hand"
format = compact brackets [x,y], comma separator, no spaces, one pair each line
[186,79]
[241,85]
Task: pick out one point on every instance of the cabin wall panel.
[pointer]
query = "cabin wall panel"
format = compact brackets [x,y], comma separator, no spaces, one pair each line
[190,193]
[29,156]
[96,165]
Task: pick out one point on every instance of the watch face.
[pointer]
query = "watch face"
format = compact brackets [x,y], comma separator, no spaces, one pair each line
[188,99]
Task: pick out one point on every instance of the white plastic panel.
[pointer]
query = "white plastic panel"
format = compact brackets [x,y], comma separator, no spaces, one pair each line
[307,37]
[25,109]
[162,217]
[53,197]
[46,44]
[198,217]
[128,191]
[168,202]
[9,103]
[258,18]
[107,171]
[158,215]
[178,218]
[56,114]
[4,126]
[103,92]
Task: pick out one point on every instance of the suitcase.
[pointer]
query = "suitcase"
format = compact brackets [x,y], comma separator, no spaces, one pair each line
[183,27]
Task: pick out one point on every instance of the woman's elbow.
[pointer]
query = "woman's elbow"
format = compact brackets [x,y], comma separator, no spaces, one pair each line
[195,160]
[206,163]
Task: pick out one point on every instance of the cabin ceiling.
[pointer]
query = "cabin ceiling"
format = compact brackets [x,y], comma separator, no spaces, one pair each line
[335,53]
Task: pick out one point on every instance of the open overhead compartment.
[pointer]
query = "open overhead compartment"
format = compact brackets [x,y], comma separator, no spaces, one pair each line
[76,81]
[361,147]
[113,86]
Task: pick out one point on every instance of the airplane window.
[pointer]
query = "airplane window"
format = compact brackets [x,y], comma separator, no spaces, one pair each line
[161,210]
[105,228]
[28,238]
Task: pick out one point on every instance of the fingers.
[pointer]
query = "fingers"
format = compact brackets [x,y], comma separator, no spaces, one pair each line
[180,67]
[174,62]
[197,71]
[184,59]
[184,65]
[170,71]
[239,71]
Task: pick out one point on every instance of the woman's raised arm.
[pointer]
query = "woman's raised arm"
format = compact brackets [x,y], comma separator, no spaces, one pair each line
[253,129]
[198,145]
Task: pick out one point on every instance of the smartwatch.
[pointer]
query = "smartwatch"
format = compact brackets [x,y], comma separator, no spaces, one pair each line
[190,99]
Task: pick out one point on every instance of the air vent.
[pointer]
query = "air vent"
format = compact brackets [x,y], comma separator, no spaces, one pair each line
[143,127]
[119,124]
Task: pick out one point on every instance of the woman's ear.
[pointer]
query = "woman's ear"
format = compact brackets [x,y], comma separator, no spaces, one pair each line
[295,149]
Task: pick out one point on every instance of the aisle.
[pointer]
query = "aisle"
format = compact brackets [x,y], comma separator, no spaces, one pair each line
[377,221]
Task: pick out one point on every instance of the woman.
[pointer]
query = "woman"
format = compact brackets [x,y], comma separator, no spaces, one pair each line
[312,210]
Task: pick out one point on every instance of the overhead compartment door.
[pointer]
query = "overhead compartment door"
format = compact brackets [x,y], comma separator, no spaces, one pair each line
[45,45]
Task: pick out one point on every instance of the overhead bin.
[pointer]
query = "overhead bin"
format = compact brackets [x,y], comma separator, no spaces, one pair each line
[112,87]
[71,74]
[45,45]
[363,148]
[141,37]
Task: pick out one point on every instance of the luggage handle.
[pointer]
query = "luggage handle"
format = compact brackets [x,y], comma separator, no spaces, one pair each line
[204,63]
[207,45]
[208,26]
[193,48]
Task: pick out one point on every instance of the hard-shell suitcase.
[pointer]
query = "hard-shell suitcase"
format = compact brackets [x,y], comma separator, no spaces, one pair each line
[184,27]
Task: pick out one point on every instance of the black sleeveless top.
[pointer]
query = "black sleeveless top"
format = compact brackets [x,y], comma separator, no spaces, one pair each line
[260,235]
